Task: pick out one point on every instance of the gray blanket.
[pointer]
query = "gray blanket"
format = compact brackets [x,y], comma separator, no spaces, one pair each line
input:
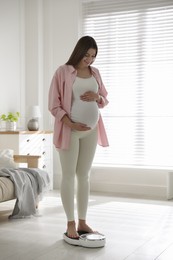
[30,184]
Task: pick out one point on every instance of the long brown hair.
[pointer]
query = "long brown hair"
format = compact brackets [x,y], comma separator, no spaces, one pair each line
[81,48]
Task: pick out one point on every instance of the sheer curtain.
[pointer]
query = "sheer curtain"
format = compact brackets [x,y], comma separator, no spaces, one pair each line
[135,58]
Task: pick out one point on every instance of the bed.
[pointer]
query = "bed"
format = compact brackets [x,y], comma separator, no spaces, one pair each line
[25,184]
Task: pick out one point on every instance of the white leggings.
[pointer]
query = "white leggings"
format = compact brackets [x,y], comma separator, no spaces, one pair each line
[77,161]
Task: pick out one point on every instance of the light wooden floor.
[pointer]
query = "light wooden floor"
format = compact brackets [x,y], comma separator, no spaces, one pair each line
[135,229]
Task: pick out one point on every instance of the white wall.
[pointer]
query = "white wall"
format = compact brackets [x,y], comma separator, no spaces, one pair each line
[149,183]
[11,56]
[36,36]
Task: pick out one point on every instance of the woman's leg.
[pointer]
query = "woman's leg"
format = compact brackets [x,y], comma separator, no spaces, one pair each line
[87,149]
[68,160]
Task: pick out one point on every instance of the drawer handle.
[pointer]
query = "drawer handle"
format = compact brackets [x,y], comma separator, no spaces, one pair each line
[44,166]
[43,153]
[44,139]
[28,140]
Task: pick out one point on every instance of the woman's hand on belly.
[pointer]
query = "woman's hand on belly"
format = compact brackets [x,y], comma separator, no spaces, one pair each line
[89,96]
[79,126]
[75,125]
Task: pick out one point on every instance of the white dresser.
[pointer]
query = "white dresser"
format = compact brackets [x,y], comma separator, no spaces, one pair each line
[31,143]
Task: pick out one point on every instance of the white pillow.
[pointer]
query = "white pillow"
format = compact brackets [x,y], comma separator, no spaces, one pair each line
[6,159]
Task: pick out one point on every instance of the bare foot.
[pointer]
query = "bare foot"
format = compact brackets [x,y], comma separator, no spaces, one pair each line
[71,230]
[82,226]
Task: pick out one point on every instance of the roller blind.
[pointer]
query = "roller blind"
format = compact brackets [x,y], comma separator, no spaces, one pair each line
[135,59]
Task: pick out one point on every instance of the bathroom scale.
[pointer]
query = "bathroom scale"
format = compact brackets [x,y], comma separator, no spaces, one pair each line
[86,240]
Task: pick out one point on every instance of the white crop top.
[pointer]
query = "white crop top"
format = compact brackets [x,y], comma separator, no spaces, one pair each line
[82,111]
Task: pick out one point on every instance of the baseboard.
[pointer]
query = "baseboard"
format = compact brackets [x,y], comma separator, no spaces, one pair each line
[120,189]
[130,181]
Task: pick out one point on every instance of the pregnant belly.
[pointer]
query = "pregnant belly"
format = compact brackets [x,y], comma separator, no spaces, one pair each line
[85,112]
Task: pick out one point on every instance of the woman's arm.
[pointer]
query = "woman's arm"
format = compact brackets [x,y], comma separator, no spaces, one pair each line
[54,101]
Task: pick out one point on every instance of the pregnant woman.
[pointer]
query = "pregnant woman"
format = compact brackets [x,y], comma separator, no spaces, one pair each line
[75,96]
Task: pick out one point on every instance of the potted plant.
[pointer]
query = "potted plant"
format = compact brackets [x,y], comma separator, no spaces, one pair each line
[10,119]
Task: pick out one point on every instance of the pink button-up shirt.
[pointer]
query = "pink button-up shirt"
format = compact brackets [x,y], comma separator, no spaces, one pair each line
[60,99]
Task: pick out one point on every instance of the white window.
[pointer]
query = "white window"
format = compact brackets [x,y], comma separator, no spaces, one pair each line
[135,59]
